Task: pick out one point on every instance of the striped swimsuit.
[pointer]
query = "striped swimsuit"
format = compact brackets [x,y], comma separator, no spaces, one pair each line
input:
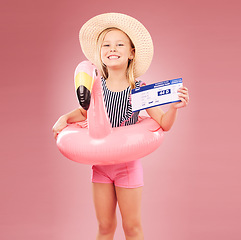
[118,106]
[119,110]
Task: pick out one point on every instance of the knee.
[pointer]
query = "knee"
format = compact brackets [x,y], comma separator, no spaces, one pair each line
[107,227]
[132,228]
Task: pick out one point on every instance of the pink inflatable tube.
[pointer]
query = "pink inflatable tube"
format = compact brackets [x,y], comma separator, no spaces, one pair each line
[95,142]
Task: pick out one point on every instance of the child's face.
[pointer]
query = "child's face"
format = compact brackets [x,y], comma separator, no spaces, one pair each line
[116,50]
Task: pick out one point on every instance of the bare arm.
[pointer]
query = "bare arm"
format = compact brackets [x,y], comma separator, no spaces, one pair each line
[76,115]
[166,120]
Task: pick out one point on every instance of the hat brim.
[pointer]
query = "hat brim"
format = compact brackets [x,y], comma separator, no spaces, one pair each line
[138,34]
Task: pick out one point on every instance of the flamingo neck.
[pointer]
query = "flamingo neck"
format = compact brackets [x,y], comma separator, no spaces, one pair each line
[98,121]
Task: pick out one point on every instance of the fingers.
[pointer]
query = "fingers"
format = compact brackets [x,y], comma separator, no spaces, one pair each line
[59,126]
[183,89]
[183,96]
[55,133]
[56,130]
[184,101]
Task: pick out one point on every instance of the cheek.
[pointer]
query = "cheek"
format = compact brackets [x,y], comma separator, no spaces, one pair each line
[104,50]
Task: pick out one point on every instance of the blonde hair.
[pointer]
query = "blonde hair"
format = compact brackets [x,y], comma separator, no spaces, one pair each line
[101,66]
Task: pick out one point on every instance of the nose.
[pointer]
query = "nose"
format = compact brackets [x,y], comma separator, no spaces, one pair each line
[113,49]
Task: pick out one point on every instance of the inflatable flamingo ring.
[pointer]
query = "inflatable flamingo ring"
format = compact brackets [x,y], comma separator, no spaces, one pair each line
[94,141]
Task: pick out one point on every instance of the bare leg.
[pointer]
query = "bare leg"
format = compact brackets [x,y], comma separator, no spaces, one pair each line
[104,196]
[129,200]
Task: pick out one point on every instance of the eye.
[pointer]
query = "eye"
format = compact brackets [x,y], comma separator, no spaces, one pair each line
[105,45]
[120,44]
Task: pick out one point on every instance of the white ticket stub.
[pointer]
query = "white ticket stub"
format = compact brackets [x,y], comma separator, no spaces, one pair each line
[155,94]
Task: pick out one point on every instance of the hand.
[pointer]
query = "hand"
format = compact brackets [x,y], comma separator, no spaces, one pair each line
[183,96]
[59,126]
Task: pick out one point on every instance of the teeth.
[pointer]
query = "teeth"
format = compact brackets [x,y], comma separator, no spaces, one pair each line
[113,57]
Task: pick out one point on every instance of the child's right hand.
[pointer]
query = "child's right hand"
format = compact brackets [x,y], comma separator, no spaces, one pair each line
[59,126]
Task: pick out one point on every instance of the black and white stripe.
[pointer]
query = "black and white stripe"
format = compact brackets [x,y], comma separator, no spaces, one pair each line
[118,106]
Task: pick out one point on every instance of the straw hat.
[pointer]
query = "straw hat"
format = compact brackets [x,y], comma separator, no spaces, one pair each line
[133,28]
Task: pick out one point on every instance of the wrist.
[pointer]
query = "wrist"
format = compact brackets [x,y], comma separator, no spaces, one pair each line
[173,107]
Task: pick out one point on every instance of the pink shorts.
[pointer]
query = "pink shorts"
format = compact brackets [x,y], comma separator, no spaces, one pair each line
[126,175]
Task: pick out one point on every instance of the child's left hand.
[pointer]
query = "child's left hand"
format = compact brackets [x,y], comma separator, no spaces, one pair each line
[183,96]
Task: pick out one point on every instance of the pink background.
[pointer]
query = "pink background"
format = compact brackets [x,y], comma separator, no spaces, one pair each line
[192,182]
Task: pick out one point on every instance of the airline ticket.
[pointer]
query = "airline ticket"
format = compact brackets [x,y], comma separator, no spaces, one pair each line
[155,94]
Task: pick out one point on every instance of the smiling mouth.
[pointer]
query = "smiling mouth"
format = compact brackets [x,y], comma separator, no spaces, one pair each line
[113,57]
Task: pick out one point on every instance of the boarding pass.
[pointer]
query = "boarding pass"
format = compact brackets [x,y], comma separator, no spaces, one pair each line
[155,94]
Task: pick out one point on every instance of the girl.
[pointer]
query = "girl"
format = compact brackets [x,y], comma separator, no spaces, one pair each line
[122,49]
